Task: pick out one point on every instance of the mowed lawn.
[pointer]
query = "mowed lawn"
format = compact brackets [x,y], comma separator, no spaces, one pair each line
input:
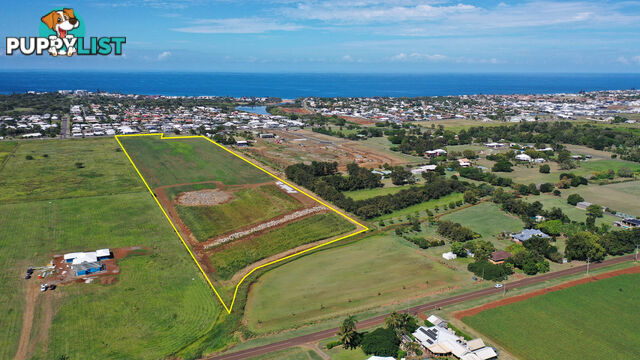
[249,206]
[159,304]
[597,320]
[345,280]
[180,161]
[6,147]
[66,169]
[296,353]
[245,252]
[623,197]
[369,193]
[487,219]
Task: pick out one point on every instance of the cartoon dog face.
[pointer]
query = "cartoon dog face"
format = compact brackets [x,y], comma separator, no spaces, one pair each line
[61,21]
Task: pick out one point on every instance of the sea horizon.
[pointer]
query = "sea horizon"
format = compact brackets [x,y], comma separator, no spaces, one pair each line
[290,85]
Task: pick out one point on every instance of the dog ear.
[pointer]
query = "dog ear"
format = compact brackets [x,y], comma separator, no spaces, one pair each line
[69,13]
[50,19]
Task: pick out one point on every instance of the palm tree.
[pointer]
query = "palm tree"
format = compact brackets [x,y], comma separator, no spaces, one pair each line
[348,334]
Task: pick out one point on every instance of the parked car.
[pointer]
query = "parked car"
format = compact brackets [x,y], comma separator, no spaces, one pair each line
[52,287]
[498,286]
[43,287]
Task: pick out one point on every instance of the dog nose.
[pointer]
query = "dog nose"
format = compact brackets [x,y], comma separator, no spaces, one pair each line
[73,21]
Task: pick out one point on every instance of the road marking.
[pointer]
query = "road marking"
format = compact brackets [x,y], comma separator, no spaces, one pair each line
[230,307]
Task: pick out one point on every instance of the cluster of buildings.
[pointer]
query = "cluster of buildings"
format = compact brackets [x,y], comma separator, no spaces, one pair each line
[598,106]
[29,126]
[87,263]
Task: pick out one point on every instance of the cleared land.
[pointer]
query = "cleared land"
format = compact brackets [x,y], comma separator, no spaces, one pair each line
[182,161]
[623,196]
[582,321]
[256,202]
[6,147]
[369,193]
[159,304]
[236,256]
[248,206]
[70,169]
[344,280]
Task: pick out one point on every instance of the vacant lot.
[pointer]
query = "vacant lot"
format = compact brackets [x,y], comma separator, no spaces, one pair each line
[344,280]
[487,219]
[159,304]
[580,322]
[623,197]
[248,206]
[431,204]
[369,193]
[180,161]
[236,256]
[66,169]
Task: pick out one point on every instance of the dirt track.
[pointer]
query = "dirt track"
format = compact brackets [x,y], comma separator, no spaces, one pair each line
[313,337]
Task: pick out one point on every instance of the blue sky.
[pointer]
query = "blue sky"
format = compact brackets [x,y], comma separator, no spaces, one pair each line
[346,35]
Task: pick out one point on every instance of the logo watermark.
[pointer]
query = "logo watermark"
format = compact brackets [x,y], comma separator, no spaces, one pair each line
[62,33]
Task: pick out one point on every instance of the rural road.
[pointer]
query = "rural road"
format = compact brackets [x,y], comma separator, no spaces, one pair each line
[313,337]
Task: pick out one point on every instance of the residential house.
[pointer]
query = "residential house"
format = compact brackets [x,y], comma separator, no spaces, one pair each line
[435,153]
[498,257]
[527,234]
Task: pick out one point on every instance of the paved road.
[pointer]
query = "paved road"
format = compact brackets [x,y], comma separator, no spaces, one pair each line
[64,131]
[317,336]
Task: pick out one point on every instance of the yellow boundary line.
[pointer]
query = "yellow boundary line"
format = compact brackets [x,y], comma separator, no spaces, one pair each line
[229,308]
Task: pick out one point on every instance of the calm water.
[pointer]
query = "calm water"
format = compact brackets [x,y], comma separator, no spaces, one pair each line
[297,85]
[262,110]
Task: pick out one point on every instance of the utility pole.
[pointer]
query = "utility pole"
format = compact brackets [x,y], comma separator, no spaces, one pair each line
[636,252]
[504,287]
[588,265]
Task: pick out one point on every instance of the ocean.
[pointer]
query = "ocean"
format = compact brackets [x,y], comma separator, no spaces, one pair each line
[291,85]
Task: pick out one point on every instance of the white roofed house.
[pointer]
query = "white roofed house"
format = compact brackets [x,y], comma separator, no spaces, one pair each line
[523,157]
[438,340]
[435,153]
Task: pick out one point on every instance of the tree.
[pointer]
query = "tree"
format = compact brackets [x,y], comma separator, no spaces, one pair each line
[400,176]
[349,337]
[583,245]
[469,154]
[546,187]
[458,249]
[482,249]
[594,211]
[469,197]
[545,169]
[401,323]
[380,342]
[574,199]
[502,166]
[625,172]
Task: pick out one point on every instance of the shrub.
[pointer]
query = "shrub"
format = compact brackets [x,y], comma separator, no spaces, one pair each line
[29,157]
[332,344]
[546,187]
[489,271]
[574,199]
[380,342]
[545,169]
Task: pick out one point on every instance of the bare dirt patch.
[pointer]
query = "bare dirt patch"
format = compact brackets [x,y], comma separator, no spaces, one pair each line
[510,300]
[206,197]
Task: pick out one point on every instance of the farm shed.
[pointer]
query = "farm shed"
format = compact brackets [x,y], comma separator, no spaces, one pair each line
[103,254]
[87,268]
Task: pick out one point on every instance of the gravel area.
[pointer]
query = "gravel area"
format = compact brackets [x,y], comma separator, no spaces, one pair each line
[205,197]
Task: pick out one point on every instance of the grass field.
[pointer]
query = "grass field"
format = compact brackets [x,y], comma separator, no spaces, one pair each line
[382,144]
[104,170]
[369,193]
[580,322]
[6,147]
[249,206]
[487,219]
[159,304]
[431,204]
[180,161]
[575,214]
[623,197]
[317,227]
[344,280]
